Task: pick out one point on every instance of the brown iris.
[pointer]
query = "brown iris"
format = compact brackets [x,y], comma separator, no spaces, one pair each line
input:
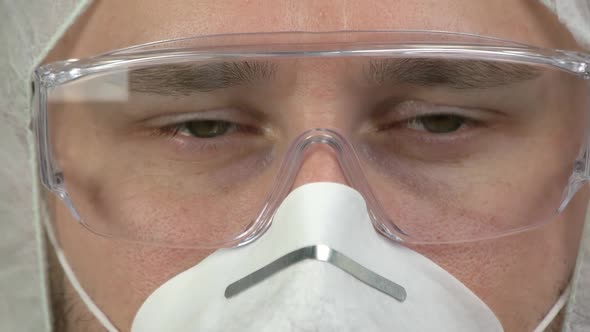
[441,124]
[207,128]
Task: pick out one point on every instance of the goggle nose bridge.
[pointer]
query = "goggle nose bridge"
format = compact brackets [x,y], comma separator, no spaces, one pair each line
[351,169]
[345,154]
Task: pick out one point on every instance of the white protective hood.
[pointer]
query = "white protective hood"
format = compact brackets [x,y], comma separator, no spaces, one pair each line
[28,30]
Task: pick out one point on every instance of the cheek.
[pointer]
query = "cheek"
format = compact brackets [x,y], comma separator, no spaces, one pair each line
[518,276]
[149,268]
[118,276]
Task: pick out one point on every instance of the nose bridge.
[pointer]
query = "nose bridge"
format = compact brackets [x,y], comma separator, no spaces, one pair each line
[320,163]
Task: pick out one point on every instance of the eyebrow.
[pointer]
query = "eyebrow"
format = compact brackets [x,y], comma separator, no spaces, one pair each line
[185,79]
[453,73]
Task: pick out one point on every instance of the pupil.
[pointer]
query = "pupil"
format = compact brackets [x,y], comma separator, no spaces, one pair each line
[207,128]
[442,123]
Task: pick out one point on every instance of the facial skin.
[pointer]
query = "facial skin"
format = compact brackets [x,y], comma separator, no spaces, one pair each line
[519,277]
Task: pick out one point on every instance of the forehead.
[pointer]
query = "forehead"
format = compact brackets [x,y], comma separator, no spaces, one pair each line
[114,24]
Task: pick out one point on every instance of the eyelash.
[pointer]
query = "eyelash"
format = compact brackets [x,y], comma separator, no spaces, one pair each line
[417,116]
[401,127]
[417,121]
[172,132]
[180,134]
[194,143]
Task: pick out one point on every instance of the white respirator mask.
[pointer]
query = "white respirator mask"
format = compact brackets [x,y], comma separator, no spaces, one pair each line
[321,266]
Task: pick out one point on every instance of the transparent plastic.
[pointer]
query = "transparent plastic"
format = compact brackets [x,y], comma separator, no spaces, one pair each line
[506,173]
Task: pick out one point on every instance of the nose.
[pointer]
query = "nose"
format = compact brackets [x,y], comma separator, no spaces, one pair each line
[320,164]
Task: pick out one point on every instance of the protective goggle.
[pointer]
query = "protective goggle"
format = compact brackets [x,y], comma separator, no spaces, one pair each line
[195,142]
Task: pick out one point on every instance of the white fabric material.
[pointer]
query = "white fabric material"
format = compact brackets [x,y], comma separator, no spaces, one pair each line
[554,311]
[577,317]
[575,15]
[28,29]
[313,295]
[76,285]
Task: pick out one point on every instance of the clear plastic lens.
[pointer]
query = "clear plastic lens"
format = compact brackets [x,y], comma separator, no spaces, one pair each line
[200,152]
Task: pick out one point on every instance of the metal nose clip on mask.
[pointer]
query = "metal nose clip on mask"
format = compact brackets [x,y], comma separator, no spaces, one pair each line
[320,266]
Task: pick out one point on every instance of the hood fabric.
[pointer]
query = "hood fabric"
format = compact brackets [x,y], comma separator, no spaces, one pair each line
[28,30]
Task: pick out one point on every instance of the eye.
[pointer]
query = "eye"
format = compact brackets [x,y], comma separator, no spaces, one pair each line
[205,128]
[437,123]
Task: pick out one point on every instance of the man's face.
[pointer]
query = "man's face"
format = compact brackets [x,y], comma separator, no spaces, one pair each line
[519,276]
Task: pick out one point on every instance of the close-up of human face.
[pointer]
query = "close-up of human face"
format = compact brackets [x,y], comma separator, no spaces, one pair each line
[194,164]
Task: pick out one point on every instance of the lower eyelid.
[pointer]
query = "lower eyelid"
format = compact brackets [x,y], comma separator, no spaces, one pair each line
[185,143]
[400,132]
[214,143]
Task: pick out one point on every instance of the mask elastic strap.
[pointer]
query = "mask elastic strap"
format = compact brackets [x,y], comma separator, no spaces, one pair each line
[550,316]
[92,307]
